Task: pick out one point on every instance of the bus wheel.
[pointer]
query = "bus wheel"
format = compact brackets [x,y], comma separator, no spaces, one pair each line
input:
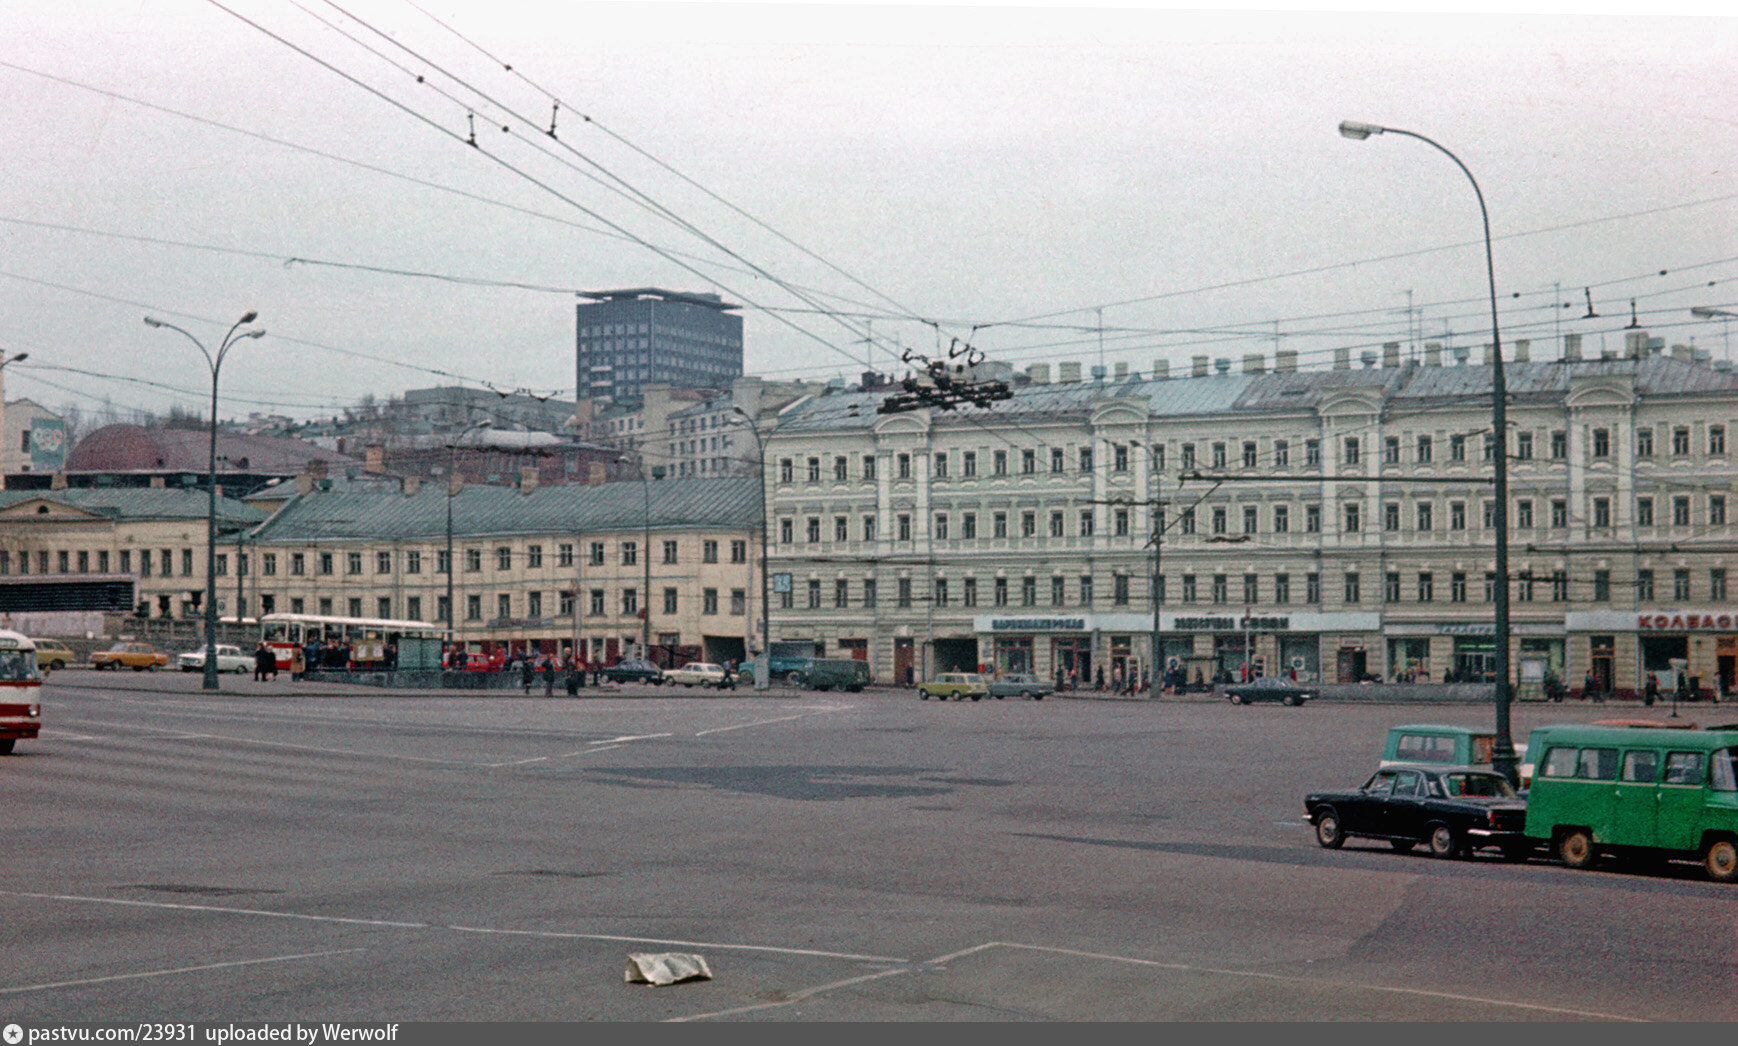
[1575,848]
[1721,861]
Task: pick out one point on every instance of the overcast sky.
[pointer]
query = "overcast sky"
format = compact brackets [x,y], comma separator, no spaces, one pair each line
[1047,183]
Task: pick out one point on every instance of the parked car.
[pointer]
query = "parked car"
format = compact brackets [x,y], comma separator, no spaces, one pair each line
[1019,684]
[696,673]
[1269,688]
[827,673]
[1452,810]
[136,656]
[229,659]
[53,654]
[633,671]
[957,685]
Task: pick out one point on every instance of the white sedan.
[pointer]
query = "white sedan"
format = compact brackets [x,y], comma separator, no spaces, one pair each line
[696,673]
[229,659]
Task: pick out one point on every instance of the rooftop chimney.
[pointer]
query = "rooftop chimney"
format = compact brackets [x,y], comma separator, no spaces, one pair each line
[1253,363]
[412,484]
[1490,354]
[1683,352]
[1342,359]
[374,459]
[1285,361]
[1523,348]
[1572,347]
[1367,358]
[1390,354]
[1068,372]
[1161,369]
[1038,374]
[1433,353]
[58,482]
[527,479]
[1222,364]
[1121,369]
[1634,344]
[317,468]
[1198,366]
[157,481]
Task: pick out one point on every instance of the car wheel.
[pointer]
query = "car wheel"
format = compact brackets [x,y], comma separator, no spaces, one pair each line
[1329,833]
[1575,849]
[1721,861]
[797,679]
[1443,841]
[957,696]
[1292,700]
[1403,845]
[923,695]
[56,665]
[1235,699]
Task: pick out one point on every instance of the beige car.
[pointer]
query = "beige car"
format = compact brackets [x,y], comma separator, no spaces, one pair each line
[695,673]
[136,656]
[957,685]
[52,654]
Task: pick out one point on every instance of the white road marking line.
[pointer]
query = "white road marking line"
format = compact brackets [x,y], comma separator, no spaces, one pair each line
[802,996]
[781,719]
[176,970]
[612,742]
[317,748]
[628,939]
[219,909]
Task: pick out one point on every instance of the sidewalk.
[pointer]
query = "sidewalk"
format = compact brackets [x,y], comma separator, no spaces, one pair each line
[244,685]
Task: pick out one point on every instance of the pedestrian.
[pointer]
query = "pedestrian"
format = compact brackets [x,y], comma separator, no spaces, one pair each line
[1589,685]
[1098,683]
[265,661]
[548,676]
[1683,693]
[1651,692]
[729,680]
[526,671]
[298,662]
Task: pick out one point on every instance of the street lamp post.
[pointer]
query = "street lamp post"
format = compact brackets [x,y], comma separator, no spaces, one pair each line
[646,559]
[1503,757]
[452,462]
[215,362]
[1725,316]
[761,677]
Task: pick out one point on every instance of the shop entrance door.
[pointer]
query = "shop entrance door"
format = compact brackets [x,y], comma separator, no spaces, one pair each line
[1074,657]
[903,661]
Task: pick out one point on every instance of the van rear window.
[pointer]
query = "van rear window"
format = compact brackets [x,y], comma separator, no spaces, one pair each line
[1725,770]
[1559,762]
[1683,768]
[1424,748]
[1597,764]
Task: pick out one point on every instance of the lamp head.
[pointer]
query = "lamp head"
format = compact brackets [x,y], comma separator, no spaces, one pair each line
[260,333]
[149,322]
[1706,313]
[15,358]
[250,316]
[1358,131]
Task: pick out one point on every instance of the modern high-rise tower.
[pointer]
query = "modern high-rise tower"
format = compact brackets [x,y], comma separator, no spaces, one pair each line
[628,339]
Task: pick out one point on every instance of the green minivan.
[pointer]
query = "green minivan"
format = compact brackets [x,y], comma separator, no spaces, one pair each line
[1650,792]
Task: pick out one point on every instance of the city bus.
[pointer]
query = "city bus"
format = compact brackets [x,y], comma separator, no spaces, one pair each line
[20,690]
[371,643]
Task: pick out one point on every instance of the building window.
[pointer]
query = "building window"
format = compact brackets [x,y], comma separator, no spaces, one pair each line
[1086,590]
[1352,450]
[1058,591]
[564,555]
[1119,522]
[1251,519]
[1680,440]
[1457,587]
[1119,590]
[814,470]
[1644,585]
[1391,587]
[1281,454]
[841,528]
[999,462]
[969,464]
[708,601]
[1352,520]
[1524,446]
[1559,514]
[1186,522]
[1680,512]
[1717,584]
[999,523]
[1716,440]
[903,522]
[1644,442]
[1249,454]
[503,558]
[1681,585]
[1086,459]
[1644,512]
[1524,513]
[1312,519]
[786,531]
[1282,588]
[630,553]
[1716,511]
[869,593]
[814,594]
[1218,455]
[968,525]
[1312,453]
[630,602]
[1188,455]
[1457,448]
[903,463]
[1221,589]
[1189,594]
[1029,524]
[597,553]
[1602,586]
[1391,450]
[1602,443]
[1523,586]
[1251,589]
[1218,519]
[969,592]
[473,608]
[1058,461]
[1119,458]
[1352,587]
[1281,519]
[1602,512]
[786,470]
[1426,587]
[841,593]
[1559,445]
[1086,523]
[841,469]
[1312,589]
[1028,462]
[812,529]
[1391,516]
[1424,450]
[594,603]
[1001,592]
[1056,524]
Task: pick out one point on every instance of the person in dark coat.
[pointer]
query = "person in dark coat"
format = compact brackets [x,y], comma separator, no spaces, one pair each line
[1651,692]
[527,671]
[265,663]
[548,676]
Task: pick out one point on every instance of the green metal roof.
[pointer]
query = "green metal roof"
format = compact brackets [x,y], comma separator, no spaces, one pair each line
[573,509]
[141,503]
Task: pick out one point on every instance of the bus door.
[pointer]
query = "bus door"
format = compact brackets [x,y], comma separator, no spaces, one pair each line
[1635,799]
[1683,793]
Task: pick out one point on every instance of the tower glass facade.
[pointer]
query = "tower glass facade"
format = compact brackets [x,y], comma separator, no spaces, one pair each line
[631,338]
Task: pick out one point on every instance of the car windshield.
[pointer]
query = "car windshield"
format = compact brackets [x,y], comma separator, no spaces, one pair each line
[1489,785]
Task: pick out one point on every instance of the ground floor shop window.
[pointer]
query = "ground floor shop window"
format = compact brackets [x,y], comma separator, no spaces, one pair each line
[1475,659]
[1014,654]
[1409,660]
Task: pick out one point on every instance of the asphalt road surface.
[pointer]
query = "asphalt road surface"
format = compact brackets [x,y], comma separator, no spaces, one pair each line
[179,856]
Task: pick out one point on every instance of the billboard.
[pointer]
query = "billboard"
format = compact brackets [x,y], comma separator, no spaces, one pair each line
[47,444]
